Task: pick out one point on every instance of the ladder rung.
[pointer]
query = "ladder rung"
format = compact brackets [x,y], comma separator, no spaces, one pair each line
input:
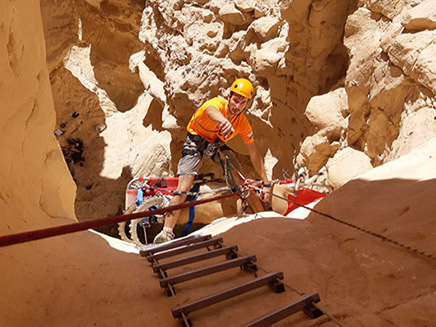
[224,295]
[183,249]
[174,244]
[207,271]
[195,258]
[284,312]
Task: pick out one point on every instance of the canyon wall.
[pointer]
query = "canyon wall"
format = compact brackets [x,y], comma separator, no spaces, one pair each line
[345,84]
[339,83]
[35,181]
[66,280]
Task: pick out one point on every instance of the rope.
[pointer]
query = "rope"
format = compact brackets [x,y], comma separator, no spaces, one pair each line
[162,190]
[24,237]
[230,179]
[361,229]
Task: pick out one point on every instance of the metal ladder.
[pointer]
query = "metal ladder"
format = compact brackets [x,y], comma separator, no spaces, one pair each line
[215,248]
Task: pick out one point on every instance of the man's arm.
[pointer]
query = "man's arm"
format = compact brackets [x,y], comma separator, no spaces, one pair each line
[257,161]
[225,127]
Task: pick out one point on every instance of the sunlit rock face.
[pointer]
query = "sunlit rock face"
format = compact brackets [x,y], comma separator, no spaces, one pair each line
[36,187]
[389,77]
[138,70]
[47,282]
[389,86]
[328,75]
[100,100]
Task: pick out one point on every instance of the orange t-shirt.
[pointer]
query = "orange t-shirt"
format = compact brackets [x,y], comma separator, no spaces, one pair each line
[201,124]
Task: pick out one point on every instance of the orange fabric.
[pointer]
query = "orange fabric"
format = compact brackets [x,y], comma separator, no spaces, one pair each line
[201,124]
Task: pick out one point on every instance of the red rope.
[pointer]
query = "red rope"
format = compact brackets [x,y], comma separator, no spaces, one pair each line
[77,227]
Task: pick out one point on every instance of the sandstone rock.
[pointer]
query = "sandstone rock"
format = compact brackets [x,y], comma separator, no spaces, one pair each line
[362,35]
[232,15]
[389,8]
[245,5]
[345,165]
[36,190]
[329,111]
[58,44]
[297,9]
[416,129]
[95,3]
[270,162]
[266,27]
[371,84]
[315,152]
[148,28]
[388,87]
[153,85]
[406,49]
[292,52]
[424,70]
[320,25]
[413,53]
[266,59]
[421,17]
[237,46]
[203,36]
[380,134]
[278,85]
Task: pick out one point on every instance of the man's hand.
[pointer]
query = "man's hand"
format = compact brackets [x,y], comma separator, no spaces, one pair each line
[226,129]
[266,194]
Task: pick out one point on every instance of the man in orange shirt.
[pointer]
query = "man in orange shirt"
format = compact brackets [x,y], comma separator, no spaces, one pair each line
[214,123]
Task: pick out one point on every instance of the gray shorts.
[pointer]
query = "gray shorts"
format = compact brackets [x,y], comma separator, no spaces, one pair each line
[193,152]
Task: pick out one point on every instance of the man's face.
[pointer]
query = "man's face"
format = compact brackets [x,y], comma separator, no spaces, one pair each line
[237,103]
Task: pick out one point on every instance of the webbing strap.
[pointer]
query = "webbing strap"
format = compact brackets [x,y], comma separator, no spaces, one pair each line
[191,211]
[140,198]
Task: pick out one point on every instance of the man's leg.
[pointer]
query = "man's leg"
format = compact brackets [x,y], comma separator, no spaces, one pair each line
[185,184]
[187,168]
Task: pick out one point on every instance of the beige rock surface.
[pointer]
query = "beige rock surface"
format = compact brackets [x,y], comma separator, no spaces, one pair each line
[135,71]
[422,16]
[389,78]
[292,51]
[328,111]
[31,161]
[217,41]
[345,165]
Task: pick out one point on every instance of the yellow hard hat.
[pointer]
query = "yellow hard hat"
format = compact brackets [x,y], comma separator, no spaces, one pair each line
[243,87]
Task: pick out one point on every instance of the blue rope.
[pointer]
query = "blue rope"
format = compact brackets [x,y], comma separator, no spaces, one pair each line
[191,211]
[140,198]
